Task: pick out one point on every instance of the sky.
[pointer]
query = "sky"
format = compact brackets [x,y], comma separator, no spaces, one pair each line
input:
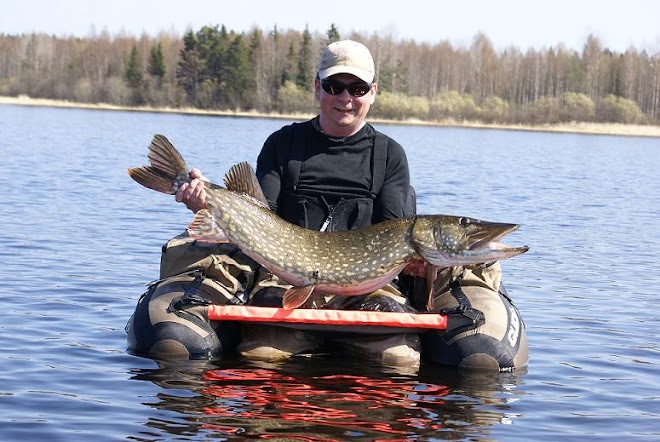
[525,24]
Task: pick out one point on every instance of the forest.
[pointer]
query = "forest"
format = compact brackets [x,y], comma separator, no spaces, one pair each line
[272,71]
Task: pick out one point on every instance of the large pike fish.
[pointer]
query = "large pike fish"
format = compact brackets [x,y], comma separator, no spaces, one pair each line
[341,263]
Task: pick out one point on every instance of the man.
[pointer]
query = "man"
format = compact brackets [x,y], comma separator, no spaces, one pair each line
[339,146]
[334,172]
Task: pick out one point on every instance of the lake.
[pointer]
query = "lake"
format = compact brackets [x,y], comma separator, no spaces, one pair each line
[80,241]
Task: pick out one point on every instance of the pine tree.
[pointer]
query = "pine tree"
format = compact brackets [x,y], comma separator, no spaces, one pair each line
[212,46]
[157,62]
[287,65]
[333,34]
[133,76]
[257,96]
[189,68]
[133,71]
[304,60]
[237,64]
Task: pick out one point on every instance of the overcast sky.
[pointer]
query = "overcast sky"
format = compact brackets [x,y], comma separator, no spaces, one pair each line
[522,23]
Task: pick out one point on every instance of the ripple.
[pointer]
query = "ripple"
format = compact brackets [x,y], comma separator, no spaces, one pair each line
[81,240]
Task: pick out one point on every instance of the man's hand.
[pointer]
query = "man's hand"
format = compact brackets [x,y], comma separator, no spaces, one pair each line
[193,194]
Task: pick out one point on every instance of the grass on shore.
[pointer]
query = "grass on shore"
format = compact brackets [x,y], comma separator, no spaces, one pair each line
[573,127]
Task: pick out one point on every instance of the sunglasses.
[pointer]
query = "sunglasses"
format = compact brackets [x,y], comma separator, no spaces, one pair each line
[357,89]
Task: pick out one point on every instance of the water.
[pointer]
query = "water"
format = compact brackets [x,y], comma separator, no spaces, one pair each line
[80,240]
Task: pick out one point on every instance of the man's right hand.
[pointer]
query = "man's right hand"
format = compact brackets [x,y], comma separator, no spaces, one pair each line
[193,194]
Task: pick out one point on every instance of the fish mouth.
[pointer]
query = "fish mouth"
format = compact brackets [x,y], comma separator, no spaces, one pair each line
[488,234]
[496,246]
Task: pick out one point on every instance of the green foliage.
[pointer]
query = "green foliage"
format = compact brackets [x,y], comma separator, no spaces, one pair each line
[133,70]
[393,77]
[577,107]
[576,76]
[618,80]
[451,104]
[216,68]
[613,109]
[294,99]
[212,45]
[254,48]
[156,66]
[304,76]
[133,76]
[257,94]
[494,109]
[189,68]
[387,105]
[238,82]
[287,65]
[545,110]
[206,94]
[398,106]
[417,107]
[333,34]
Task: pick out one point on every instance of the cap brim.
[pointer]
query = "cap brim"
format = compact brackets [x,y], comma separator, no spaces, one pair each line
[362,74]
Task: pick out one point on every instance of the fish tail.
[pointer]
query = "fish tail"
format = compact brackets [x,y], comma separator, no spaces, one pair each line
[168,170]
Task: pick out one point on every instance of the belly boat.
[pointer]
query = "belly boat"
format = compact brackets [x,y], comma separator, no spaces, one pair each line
[197,309]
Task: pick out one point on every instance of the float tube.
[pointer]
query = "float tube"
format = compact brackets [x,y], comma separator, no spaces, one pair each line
[189,316]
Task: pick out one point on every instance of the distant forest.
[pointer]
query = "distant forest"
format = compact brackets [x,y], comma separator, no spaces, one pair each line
[272,71]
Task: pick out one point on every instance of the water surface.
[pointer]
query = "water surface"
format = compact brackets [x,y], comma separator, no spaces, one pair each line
[80,240]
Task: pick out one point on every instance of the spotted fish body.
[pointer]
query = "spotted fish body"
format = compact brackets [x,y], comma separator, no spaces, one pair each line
[341,263]
[344,263]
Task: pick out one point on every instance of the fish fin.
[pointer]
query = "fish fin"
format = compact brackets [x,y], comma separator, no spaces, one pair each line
[431,275]
[168,170]
[430,254]
[204,228]
[296,296]
[241,178]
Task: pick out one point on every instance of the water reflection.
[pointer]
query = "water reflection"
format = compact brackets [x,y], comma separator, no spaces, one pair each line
[325,399]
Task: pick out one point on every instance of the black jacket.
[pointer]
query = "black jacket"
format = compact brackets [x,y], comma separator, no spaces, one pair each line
[308,177]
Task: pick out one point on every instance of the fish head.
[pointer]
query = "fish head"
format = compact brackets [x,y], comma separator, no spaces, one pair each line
[446,241]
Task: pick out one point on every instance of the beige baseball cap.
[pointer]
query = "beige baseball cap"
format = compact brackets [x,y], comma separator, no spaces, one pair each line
[347,57]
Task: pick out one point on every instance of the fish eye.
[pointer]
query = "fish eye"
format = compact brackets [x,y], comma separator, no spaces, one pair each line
[464,221]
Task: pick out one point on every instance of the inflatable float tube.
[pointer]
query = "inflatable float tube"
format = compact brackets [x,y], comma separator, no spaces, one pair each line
[188,317]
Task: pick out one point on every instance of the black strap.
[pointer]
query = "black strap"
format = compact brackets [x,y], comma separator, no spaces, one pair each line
[464,309]
[297,137]
[378,163]
[192,288]
[192,272]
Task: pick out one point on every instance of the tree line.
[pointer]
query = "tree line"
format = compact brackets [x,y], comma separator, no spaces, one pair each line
[273,71]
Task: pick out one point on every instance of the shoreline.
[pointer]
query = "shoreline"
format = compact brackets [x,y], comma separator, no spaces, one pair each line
[615,129]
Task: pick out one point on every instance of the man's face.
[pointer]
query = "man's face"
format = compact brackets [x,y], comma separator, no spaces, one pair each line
[343,114]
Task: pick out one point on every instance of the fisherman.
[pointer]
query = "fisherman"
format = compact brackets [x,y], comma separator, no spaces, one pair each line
[334,172]
[332,154]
